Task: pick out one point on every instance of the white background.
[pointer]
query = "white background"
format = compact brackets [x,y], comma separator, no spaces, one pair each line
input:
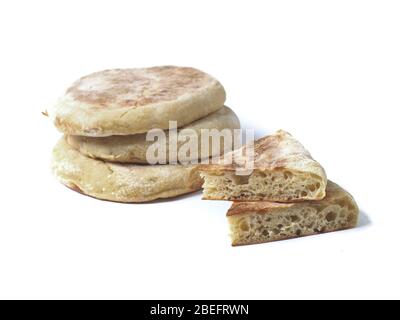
[326,71]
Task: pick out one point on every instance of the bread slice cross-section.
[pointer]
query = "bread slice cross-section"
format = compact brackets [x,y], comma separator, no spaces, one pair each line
[258,222]
[284,171]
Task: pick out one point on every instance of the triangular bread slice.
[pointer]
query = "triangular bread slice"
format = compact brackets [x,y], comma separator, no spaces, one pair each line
[284,171]
[258,222]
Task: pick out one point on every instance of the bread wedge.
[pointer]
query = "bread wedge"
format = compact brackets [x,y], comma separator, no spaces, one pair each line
[258,222]
[284,171]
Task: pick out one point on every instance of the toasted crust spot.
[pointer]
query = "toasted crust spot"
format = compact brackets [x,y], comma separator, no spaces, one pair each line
[136,88]
[132,101]
[284,171]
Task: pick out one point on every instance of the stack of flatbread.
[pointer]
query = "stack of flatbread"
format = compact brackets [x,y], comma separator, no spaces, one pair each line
[106,117]
[285,195]
[112,121]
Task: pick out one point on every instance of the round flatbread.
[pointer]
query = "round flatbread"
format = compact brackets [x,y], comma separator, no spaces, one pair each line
[122,182]
[131,101]
[133,148]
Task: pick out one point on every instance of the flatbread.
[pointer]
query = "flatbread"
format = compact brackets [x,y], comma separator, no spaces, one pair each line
[131,101]
[121,182]
[284,171]
[133,148]
[258,222]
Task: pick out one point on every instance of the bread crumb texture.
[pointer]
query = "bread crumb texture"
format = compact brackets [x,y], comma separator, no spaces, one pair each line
[258,222]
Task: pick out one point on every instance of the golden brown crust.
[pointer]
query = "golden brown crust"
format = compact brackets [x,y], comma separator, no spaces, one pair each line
[273,152]
[130,101]
[135,88]
[282,170]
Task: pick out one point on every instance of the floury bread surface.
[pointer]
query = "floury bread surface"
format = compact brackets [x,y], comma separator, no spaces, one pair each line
[121,182]
[131,101]
[284,171]
[258,222]
[133,148]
